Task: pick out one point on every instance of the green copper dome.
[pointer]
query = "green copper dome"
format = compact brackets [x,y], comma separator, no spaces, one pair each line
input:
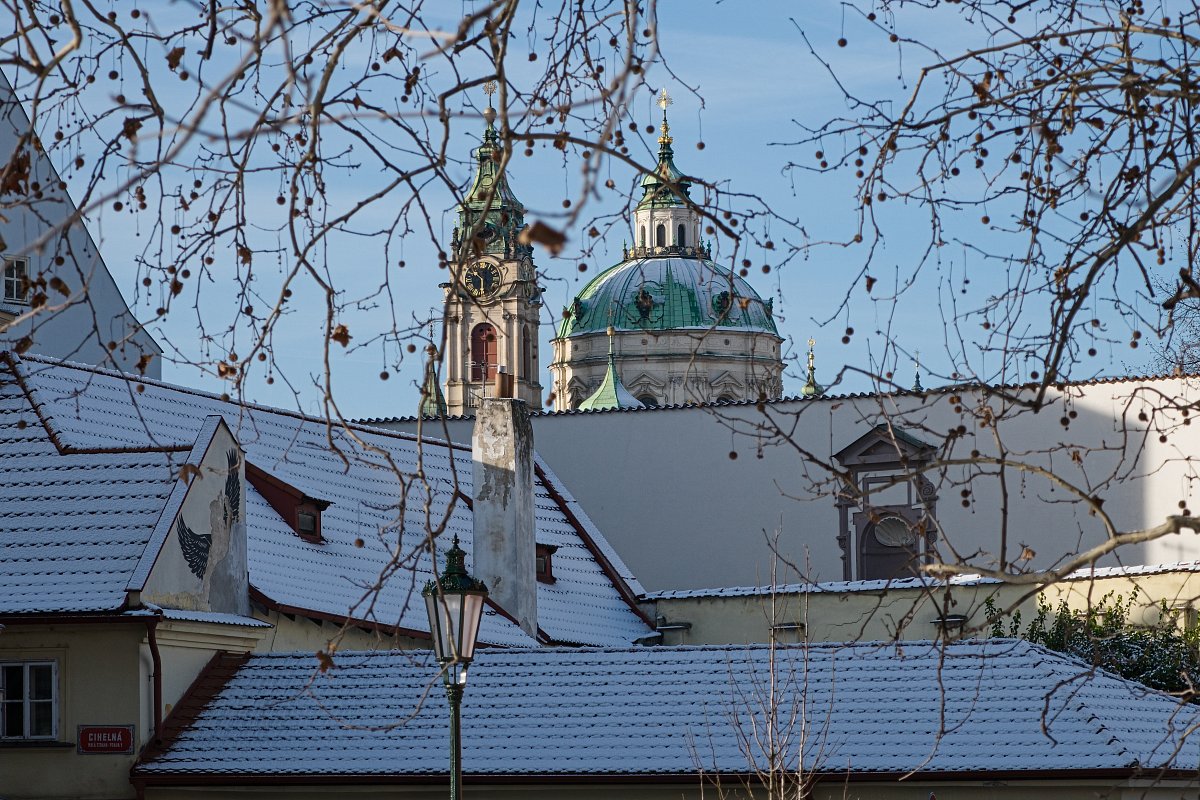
[664,293]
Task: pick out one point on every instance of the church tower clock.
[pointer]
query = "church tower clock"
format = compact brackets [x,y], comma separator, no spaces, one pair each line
[493,302]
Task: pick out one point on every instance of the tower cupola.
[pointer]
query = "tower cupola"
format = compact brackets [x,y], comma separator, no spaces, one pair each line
[665,221]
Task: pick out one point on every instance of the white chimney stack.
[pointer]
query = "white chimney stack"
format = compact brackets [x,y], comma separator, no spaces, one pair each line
[504,545]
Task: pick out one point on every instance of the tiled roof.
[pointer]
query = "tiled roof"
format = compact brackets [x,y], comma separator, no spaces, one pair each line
[72,526]
[897,584]
[998,707]
[90,409]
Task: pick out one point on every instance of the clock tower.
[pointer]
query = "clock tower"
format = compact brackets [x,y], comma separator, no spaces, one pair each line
[493,302]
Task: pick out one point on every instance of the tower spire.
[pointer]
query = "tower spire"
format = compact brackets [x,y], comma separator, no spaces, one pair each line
[490,216]
[811,387]
[665,139]
[666,186]
[917,387]
[611,392]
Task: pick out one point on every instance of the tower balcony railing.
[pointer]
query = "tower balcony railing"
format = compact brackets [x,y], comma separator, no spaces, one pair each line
[647,251]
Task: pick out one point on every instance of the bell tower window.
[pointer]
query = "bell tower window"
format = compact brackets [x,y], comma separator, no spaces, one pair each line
[681,237]
[660,236]
[642,236]
[483,353]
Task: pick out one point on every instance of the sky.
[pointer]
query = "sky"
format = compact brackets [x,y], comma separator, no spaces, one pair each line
[746,84]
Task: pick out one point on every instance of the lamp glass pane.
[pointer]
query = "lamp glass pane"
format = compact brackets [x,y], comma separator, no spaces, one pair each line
[472,613]
[438,624]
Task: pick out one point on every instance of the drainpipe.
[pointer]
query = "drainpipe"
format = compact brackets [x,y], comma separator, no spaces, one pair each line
[156,660]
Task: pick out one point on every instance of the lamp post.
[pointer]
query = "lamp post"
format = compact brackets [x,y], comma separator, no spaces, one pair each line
[455,605]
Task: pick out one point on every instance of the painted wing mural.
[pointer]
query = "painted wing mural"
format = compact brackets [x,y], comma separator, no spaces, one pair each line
[195,547]
[226,508]
[233,488]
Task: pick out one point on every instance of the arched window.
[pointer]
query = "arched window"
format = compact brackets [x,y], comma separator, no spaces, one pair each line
[660,236]
[483,353]
[642,239]
[526,356]
[681,239]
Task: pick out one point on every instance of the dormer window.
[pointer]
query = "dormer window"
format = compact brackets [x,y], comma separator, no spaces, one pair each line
[301,512]
[544,562]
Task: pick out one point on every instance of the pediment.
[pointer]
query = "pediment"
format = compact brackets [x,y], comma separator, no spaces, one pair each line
[726,380]
[645,380]
[882,447]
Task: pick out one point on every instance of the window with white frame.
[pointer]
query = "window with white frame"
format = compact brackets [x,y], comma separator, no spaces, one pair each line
[28,700]
[16,280]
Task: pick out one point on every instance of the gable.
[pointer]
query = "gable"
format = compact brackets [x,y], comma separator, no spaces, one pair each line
[883,447]
[201,563]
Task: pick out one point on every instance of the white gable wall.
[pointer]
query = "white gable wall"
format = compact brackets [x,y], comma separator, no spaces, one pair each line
[79,325]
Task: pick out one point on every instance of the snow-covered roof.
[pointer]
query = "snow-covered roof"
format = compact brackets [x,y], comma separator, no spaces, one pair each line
[999,707]
[376,523]
[72,526]
[897,584]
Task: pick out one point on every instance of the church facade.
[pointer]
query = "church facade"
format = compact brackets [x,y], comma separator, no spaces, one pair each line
[680,327]
[665,326]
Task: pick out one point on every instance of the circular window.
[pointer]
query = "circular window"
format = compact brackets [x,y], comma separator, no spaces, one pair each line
[894,532]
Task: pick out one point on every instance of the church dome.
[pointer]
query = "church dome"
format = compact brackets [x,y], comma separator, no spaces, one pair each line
[670,292]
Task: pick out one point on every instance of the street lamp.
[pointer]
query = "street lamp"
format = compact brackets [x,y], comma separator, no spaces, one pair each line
[455,605]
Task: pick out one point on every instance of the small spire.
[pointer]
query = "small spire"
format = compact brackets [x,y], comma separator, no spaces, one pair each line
[811,387]
[611,392]
[917,387]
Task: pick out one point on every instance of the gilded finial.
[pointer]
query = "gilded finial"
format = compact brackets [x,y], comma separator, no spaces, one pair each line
[665,100]
[489,113]
[917,387]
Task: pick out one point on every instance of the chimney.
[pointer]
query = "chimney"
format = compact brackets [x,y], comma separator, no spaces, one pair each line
[504,544]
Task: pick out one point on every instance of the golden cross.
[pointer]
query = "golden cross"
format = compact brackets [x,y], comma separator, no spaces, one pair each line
[664,100]
[811,342]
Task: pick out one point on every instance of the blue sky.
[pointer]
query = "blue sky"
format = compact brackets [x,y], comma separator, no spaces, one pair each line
[756,84]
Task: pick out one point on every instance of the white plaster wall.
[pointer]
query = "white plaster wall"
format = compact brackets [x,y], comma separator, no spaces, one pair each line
[662,487]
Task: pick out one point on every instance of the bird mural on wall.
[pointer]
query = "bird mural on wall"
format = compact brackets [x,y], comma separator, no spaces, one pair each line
[223,512]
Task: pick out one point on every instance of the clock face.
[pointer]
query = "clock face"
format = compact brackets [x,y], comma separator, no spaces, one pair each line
[482,279]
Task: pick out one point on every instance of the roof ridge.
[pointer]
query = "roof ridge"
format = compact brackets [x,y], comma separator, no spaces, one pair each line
[10,357]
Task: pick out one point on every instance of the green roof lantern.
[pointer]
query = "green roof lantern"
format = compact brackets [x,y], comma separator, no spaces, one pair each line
[666,185]
[490,211]
[612,393]
[811,387]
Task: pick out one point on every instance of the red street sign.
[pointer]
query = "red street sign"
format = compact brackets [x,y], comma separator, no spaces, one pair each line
[96,739]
